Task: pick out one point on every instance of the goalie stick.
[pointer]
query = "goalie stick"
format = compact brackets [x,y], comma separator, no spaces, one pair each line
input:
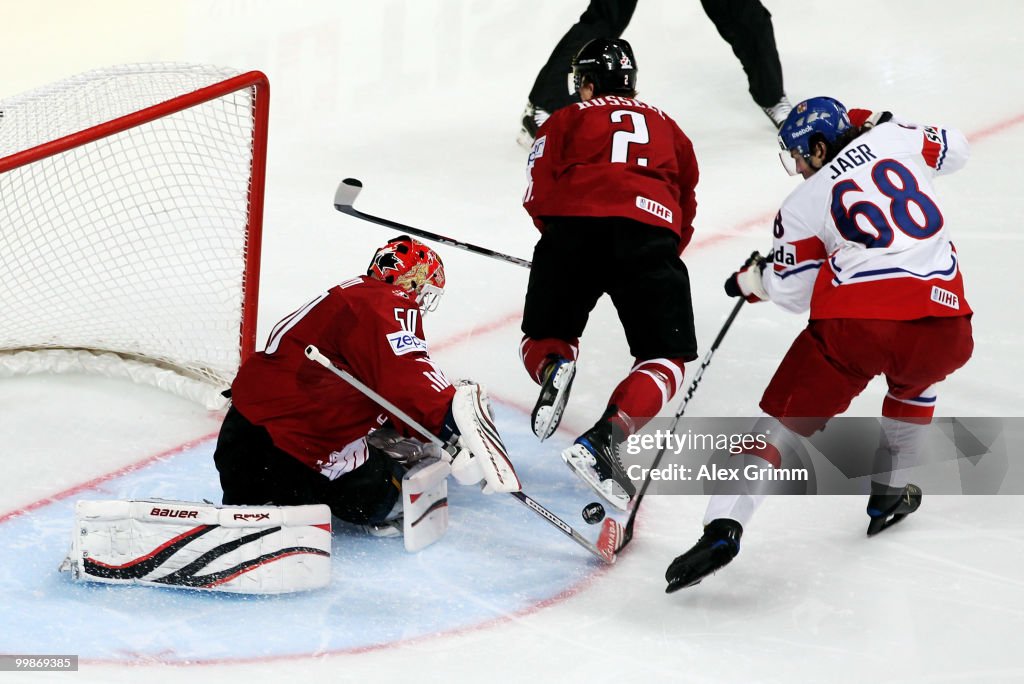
[345,197]
[627,533]
[609,540]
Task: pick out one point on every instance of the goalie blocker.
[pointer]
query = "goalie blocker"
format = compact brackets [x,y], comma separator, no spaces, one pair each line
[239,549]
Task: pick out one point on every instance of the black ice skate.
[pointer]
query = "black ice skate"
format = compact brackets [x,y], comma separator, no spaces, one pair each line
[554,394]
[888,505]
[715,549]
[593,458]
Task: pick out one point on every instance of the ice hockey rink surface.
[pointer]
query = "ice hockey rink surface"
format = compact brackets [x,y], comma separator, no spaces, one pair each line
[420,100]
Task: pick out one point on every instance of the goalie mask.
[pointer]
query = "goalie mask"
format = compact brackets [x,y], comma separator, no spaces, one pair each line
[412,266]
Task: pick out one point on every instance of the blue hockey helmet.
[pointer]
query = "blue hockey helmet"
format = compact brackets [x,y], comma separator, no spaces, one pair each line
[818,116]
[822,119]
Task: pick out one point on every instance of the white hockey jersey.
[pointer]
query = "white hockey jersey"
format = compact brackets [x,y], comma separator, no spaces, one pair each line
[864,237]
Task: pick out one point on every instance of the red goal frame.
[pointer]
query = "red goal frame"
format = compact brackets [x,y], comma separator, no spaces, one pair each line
[257,181]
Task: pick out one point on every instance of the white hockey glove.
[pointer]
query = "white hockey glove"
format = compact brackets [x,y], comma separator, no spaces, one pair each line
[747,282]
[479,453]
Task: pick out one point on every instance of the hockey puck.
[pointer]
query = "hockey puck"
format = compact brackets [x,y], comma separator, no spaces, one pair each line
[593,513]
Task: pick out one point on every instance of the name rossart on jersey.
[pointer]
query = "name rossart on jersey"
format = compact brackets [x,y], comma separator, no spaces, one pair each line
[403,342]
[617,101]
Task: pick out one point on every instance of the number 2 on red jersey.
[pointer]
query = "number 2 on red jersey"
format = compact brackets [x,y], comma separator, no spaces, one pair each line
[623,138]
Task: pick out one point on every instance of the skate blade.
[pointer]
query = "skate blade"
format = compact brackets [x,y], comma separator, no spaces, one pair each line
[549,417]
[679,584]
[578,459]
[693,578]
[546,422]
[884,522]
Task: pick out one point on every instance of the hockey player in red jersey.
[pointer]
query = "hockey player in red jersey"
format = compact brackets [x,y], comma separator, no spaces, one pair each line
[863,244]
[297,434]
[611,189]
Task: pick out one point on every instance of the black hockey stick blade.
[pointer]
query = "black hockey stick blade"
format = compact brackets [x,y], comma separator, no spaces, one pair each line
[345,197]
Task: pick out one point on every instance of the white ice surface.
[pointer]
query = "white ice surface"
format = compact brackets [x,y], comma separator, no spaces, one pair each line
[420,100]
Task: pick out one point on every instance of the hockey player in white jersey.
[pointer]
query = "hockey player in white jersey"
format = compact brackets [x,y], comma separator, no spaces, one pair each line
[863,245]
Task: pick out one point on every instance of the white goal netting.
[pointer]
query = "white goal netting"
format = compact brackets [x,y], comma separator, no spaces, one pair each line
[132,246]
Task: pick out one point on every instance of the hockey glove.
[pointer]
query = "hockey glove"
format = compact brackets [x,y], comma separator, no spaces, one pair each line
[747,282]
[865,119]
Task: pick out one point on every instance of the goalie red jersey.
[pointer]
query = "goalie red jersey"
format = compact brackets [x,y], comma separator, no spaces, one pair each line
[613,156]
[367,327]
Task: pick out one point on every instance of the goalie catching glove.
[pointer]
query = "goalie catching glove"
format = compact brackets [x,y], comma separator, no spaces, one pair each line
[476,452]
[747,282]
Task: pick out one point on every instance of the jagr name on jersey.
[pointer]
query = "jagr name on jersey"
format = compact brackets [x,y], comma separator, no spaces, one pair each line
[851,159]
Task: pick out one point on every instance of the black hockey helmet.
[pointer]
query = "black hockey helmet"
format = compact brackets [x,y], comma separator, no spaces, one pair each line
[609,64]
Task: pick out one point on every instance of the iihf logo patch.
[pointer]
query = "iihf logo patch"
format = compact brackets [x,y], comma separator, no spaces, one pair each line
[625,63]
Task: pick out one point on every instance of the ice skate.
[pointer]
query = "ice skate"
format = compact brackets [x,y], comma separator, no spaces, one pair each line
[594,459]
[778,111]
[888,505]
[714,550]
[554,394]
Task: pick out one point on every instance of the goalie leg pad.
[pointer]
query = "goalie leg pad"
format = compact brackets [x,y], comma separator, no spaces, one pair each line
[479,434]
[425,503]
[238,549]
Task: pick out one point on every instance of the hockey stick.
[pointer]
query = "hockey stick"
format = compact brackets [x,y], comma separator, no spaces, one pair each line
[611,531]
[627,534]
[345,197]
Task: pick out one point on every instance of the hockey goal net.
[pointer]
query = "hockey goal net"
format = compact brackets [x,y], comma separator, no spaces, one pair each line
[131,203]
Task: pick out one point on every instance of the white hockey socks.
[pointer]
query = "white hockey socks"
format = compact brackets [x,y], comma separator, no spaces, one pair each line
[240,549]
[738,507]
[739,501]
[899,450]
